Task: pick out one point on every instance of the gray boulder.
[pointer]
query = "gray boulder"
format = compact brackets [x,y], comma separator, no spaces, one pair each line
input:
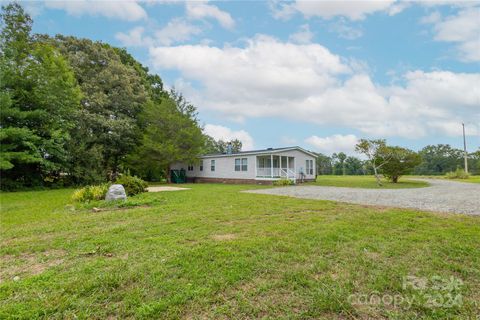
[116,192]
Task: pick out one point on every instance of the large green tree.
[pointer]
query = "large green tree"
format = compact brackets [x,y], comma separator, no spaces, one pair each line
[221,146]
[115,91]
[171,135]
[474,162]
[377,153]
[439,159]
[38,96]
[354,166]
[400,161]
[324,164]
[340,164]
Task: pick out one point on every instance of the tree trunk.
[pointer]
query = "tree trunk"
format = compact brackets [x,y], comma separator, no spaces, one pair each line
[167,176]
[395,179]
[379,183]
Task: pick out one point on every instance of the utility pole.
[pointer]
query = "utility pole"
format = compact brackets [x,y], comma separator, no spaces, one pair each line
[465,154]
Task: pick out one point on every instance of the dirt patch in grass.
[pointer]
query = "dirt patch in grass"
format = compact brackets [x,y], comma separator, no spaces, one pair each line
[224,237]
[95,209]
[162,189]
[29,264]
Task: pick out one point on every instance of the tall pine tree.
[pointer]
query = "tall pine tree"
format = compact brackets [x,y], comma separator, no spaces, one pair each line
[38,96]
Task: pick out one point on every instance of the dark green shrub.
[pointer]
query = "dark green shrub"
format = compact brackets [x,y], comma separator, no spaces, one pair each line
[133,185]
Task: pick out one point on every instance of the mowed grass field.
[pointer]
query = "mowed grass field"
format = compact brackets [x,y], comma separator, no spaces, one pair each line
[366,182]
[212,252]
[471,179]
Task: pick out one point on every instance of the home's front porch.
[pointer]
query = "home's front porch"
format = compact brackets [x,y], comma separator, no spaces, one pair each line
[275,167]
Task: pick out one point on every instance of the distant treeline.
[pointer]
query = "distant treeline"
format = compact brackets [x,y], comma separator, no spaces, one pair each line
[436,160]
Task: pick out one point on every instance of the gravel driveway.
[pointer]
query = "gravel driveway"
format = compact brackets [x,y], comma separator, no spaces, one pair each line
[440,196]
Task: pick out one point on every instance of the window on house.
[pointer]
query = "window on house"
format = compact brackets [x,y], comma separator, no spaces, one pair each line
[241,164]
[309,167]
[190,167]
[201,165]
[244,164]
[212,165]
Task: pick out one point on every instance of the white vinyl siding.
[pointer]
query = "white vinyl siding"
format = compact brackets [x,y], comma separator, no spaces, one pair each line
[224,167]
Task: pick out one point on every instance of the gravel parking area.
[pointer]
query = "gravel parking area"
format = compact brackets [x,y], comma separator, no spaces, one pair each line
[440,196]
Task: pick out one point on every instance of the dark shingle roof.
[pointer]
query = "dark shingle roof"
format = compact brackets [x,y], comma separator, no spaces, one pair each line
[257,151]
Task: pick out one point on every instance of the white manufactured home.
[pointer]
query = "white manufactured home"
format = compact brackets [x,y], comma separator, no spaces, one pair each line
[259,166]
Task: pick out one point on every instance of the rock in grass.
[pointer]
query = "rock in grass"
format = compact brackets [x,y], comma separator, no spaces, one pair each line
[116,192]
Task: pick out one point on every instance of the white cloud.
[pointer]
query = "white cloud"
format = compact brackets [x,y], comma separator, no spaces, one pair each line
[128,10]
[398,7]
[336,143]
[33,8]
[462,28]
[353,10]
[433,17]
[134,38]
[306,82]
[223,133]
[304,35]
[201,10]
[344,30]
[175,31]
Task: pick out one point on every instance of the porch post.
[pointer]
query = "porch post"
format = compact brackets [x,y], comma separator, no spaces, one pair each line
[256,158]
[271,165]
[288,167]
[280,161]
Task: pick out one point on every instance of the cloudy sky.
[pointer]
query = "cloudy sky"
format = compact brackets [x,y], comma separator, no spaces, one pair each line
[315,74]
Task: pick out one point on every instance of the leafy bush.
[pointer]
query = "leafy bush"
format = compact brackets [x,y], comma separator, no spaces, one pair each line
[457,174]
[90,193]
[145,199]
[283,182]
[132,184]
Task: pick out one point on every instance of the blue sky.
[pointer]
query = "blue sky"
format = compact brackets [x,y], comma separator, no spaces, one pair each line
[316,74]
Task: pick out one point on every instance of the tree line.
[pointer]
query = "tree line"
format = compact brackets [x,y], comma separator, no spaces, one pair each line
[76,111]
[432,160]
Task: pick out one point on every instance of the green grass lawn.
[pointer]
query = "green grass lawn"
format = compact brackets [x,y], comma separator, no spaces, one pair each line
[212,252]
[471,179]
[366,182]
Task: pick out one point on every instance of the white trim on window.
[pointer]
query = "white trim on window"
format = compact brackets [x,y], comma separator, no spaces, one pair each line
[241,164]
[309,167]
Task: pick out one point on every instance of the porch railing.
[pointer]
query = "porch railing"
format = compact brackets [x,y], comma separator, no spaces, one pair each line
[276,173]
[288,174]
[268,172]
